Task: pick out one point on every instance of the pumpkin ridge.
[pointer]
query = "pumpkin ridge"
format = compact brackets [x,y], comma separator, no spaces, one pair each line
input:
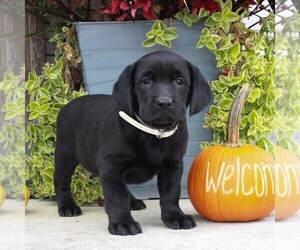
[248,158]
[205,155]
[224,149]
[193,176]
[258,160]
[233,181]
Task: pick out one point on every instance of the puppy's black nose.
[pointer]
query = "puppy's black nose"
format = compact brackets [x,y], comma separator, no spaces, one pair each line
[164,102]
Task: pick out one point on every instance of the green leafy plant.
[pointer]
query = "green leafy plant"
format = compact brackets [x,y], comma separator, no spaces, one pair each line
[160,34]
[223,18]
[67,50]
[48,93]
[12,134]
[163,34]
[288,84]
[242,56]
[188,18]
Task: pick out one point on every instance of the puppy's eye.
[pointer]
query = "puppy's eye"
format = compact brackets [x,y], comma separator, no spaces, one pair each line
[179,81]
[146,80]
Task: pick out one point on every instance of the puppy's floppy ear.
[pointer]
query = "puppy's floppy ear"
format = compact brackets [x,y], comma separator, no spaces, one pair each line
[123,91]
[200,93]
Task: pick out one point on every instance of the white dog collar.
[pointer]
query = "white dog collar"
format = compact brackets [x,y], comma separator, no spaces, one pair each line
[153,131]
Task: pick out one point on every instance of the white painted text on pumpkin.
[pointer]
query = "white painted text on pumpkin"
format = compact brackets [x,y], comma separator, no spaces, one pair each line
[233,179]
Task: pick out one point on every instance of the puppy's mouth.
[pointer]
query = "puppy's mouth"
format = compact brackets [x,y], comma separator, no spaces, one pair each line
[162,122]
[161,119]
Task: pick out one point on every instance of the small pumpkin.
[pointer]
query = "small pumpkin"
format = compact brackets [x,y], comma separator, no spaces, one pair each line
[26,195]
[287,173]
[2,195]
[230,181]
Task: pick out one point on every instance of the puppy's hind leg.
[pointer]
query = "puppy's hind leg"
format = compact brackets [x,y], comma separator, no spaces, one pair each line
[135,204]
[65,164]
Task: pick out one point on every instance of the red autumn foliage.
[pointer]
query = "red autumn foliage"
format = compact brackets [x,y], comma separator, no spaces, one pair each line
[128,9]
[156,9]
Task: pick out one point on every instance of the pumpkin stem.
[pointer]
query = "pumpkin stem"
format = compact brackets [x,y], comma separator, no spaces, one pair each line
[233,125]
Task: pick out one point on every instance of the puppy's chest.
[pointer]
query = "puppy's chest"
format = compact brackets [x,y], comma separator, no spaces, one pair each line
[141,171]
[145,165]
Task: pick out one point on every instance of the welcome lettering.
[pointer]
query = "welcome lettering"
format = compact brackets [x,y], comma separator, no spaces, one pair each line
[289,177]
[223,182]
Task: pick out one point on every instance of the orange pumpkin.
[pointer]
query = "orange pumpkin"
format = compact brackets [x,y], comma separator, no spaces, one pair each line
[287,173]
[233,182]
[2,195]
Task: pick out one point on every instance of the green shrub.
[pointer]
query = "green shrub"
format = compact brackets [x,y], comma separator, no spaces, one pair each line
[242,56]
[12,134]
[287,80]
[48,93]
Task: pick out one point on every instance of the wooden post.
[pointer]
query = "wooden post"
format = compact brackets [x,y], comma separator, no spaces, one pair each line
[12,42]
[34,47]
[34,50]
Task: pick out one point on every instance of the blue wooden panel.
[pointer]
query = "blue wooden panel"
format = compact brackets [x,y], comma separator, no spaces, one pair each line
[108,47]
[194,131]
[193,148]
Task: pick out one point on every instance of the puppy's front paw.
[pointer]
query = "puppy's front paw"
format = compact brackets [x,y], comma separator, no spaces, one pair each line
[177,220]
[136,204]
[128,228]
[69,210]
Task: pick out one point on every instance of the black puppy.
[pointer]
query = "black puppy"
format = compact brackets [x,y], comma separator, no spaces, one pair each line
[155,92]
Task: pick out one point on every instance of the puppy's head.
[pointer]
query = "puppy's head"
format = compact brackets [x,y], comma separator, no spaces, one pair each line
[159,87]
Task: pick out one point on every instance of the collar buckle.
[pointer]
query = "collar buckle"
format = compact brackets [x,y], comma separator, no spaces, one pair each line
[160,135]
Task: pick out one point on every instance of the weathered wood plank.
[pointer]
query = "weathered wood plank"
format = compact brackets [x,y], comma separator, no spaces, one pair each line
[34,47]
[11,47]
